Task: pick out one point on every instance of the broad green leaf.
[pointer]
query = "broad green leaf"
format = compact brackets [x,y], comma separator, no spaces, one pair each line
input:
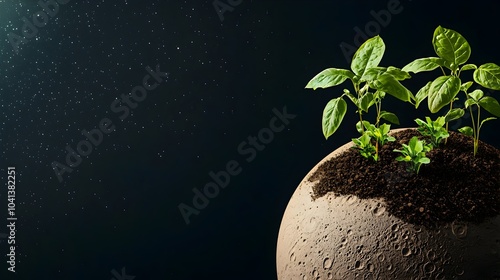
[366,101]
[333,114]
[368,55]
[454,114]
[468,67]
[424,64]
[476,94]
[465,86]
[422,94]
[466,130]
[451,46]
[373,73]
[415,145]
[488,75]
[389,84]
[329,77]
[491,105]
[397,73]
[384,128]
[442,91]
[390,117]
[485,120]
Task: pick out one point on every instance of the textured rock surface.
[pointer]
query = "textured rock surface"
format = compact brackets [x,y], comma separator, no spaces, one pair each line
[349,238]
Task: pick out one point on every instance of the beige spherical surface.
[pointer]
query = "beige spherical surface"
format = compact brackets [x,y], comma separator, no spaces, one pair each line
[345,237]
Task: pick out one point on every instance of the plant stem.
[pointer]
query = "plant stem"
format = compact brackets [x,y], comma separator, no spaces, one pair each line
[447,130]
[473,128]
[476,141]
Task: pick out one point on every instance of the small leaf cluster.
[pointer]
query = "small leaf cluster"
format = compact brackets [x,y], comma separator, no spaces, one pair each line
[433,129]
[365,147]
[379,135]
[414,153]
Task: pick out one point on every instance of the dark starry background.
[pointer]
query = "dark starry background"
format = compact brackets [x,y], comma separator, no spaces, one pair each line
[119,207]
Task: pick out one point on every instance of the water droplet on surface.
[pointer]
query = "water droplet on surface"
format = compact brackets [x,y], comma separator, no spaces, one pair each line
[327,263]
[292,257]
[315,273]
[330,275]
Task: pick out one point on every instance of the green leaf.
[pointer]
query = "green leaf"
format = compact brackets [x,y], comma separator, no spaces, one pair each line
[476,94]
[422,94]
[424,64]
[359,128]
[333,114]
[465,86]
[384,128]
[368,55]
[451,46]
[466,130]
[468,67]
[373,73]
[491,105]
[442,91]
[390,117]
[390,85]
[469,102]
[398,73]
[366,101]
[454,114]
[329,77]
[414,145]
[488,75]
[424,160]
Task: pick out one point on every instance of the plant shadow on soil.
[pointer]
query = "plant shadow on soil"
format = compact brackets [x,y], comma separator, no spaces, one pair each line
[455,186]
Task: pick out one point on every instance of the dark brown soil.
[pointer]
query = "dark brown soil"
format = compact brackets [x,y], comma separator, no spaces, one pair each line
[454,186]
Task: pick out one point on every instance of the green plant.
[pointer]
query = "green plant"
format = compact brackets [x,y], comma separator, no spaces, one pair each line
[379,134]
[414,153]
[365,147]
[433,129]
[453,52]
[478,99]
[370,82]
